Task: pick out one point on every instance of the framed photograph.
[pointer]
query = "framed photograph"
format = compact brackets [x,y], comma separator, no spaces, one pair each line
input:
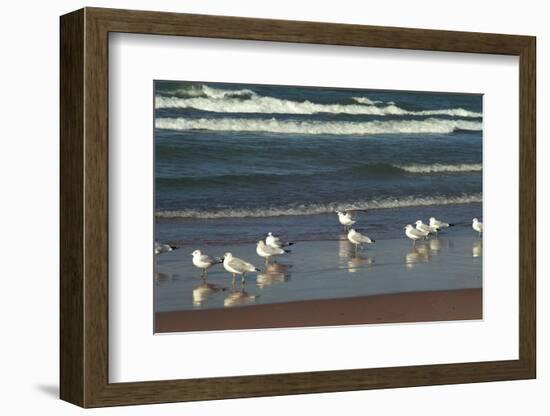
[256,207]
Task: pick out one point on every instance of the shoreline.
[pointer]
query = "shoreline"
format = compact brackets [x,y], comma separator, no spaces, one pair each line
[426,306]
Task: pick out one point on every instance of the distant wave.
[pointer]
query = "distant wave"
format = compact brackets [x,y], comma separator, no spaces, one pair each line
[312,209]
[201,90]
[219,100]
[441,168]
[430,125]
[368,101]
[271,105]
[260,177]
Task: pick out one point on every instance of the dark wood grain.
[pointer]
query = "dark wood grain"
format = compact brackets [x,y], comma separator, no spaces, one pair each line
[72,367]
[84,207]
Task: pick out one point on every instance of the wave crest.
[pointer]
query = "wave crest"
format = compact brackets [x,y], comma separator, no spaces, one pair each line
[312,209]
[441,168]
[232,102]
[431,125]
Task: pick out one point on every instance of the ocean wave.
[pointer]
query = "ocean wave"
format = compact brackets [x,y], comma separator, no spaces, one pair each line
[368,101]
[313,209]
[228,102]
[365,170]
[204,91]
[430,125]
[441,168]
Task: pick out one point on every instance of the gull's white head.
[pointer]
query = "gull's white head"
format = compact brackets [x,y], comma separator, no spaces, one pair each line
[418,222]
[196,253]
[432,219]
[261,243]
[475,220]
[270,234]
[227,256]
[408,227]
[352,231]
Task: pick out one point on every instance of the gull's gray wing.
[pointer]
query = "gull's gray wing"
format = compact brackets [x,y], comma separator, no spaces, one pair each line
[239,264]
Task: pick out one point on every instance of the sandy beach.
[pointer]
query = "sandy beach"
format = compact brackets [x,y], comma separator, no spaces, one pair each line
[448,305]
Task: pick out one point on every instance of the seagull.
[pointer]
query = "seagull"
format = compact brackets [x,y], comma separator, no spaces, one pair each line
[420,226]
[413,233]
[274,241]
[267,251]
[204,262]
[439,224]
[345,219]
[357,238]
[235,266]
[162,248]
[477,226]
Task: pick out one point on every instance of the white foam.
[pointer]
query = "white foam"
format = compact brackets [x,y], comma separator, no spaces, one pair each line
[368,101]
[431,125]
[225,101]
[269,105]
[438,167]
[313,209]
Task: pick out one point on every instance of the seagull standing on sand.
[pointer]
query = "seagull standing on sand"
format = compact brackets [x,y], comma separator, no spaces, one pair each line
[477,226]
[357,238]
[439,224]
[274,241]
[162,248]
[345,219]
[204,262]
[267,252]
[413,233]
[235,266]
[420,226]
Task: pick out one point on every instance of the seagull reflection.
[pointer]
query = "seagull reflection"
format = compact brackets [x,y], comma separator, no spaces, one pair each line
[438,244]
[417,254]
[238,298]
[273,273]
[356,262]
[435,245]
[476,249]
[345,248]
[203,291]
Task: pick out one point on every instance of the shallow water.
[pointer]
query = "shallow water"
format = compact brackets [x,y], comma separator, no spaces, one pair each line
[322,270]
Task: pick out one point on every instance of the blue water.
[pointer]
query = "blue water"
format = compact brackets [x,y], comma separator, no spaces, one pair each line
[233,161]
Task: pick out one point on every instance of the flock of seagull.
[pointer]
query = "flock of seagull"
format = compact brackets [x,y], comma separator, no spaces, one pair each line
[272,246]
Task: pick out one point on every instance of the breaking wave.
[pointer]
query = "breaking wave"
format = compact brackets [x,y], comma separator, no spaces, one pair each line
[441,168]
[228,102]
[430,125]
[219,100]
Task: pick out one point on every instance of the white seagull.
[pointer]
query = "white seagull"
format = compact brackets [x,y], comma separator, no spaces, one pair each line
[477,226]
[274,241]
[357,238]
[439,224]
[425,228]
[267,252]
[413,233]
[235,266]
[345,219]
[162,248]
[204,262]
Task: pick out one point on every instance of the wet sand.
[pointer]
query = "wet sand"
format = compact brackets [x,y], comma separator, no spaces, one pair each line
[447,305]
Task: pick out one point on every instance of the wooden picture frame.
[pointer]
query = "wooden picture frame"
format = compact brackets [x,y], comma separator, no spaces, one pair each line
[84,207]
